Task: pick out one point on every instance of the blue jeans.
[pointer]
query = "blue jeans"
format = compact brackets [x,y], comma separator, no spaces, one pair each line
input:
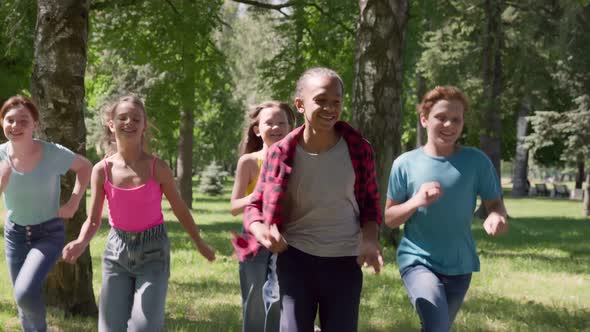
[135,272]
[436,297]
[31,252]
[258,316]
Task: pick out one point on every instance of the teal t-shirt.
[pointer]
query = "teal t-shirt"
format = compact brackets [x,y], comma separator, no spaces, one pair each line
[32,198]
[439,236]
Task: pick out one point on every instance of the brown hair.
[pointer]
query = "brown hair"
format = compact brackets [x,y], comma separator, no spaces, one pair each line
[107,144]
[314,72]
[19,102]
[250,142]
[446,92]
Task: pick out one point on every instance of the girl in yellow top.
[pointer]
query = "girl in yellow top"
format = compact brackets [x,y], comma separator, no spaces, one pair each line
[268,123]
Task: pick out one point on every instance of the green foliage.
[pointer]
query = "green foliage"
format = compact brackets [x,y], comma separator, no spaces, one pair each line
[141,48]
[565,127]
[17,17]
[211,180]
[321,33]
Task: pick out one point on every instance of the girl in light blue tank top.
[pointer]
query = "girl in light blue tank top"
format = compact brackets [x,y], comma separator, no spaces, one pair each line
[30,171]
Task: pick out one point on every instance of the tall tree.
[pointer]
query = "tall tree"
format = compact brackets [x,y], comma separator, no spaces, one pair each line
[520,184]
[57,85]
[490,116]
[377,84]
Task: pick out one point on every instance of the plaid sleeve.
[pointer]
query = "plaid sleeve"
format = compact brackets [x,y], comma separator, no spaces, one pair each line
[371,208]
[253,211]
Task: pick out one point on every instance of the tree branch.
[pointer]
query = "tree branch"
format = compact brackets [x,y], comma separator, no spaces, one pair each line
[280,7]
[267,5]
[174,8]
[100,5]
[340,23]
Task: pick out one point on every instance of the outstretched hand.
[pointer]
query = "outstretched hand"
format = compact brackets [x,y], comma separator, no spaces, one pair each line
[72,251]
[206,251]
[495,224]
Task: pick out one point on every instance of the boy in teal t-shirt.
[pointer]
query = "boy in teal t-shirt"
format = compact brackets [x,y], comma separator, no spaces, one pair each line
[433,192]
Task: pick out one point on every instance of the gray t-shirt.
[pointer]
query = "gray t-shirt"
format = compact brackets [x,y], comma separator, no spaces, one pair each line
[322,214]
[33,197]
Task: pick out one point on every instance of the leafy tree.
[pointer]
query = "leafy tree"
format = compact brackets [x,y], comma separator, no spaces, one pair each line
[16,46]
[193,71]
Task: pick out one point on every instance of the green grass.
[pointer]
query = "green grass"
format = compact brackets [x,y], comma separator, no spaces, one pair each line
[536,278]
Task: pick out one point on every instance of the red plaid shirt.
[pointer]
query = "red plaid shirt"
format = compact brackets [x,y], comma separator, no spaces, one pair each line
[265,205]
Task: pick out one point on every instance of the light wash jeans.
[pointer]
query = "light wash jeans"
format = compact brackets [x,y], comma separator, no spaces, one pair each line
[135,272]
[31,252]
[436,297]
[260,298]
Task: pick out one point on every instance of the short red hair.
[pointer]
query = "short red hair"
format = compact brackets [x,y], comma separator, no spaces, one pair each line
[446,92]
[19,102]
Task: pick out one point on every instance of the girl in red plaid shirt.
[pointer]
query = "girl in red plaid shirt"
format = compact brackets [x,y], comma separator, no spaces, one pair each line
[316,203]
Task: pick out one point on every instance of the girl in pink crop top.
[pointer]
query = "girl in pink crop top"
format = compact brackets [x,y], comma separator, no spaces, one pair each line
[134,209]
[133,182]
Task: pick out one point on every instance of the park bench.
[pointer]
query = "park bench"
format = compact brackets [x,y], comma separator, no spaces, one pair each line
[561,190]
[541,189]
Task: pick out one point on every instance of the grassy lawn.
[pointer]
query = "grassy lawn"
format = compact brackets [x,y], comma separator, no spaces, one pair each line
[536,278]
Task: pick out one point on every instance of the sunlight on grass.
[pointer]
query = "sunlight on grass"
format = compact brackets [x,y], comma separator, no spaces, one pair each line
[536,278]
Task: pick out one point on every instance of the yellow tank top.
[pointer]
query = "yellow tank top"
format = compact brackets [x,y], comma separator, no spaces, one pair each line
[252,184]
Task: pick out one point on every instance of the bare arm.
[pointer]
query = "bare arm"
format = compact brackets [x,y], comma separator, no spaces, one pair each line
[164,175]
[75,248]
[83,169]
[5,171]
[244,175]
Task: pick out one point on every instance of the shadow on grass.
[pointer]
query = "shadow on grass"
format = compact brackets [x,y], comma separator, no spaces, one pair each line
[532,238]
[529,316]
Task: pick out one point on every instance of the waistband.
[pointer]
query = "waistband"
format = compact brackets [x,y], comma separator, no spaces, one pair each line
[155,233]
[38,226]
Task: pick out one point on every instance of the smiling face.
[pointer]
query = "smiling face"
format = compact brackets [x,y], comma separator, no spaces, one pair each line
[320,102]
[273,125]
[444,123]
[128,122]
[18,124]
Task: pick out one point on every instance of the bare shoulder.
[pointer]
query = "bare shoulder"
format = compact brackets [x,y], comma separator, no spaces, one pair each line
[98,171]
[248,162]
[162,172]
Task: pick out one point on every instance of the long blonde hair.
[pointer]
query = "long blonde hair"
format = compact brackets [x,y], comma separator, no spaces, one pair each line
[108,145]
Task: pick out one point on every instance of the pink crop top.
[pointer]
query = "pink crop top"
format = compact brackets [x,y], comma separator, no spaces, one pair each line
[134,209]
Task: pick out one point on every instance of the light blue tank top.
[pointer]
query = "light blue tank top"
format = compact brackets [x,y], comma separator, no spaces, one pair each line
[33,197]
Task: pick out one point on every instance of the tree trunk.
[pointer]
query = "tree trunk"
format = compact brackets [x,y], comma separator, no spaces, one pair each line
[57,85]
[378,80]
[420,92]
[587,196]
[489,116]
[580,176]
[184,167]
[520,183]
